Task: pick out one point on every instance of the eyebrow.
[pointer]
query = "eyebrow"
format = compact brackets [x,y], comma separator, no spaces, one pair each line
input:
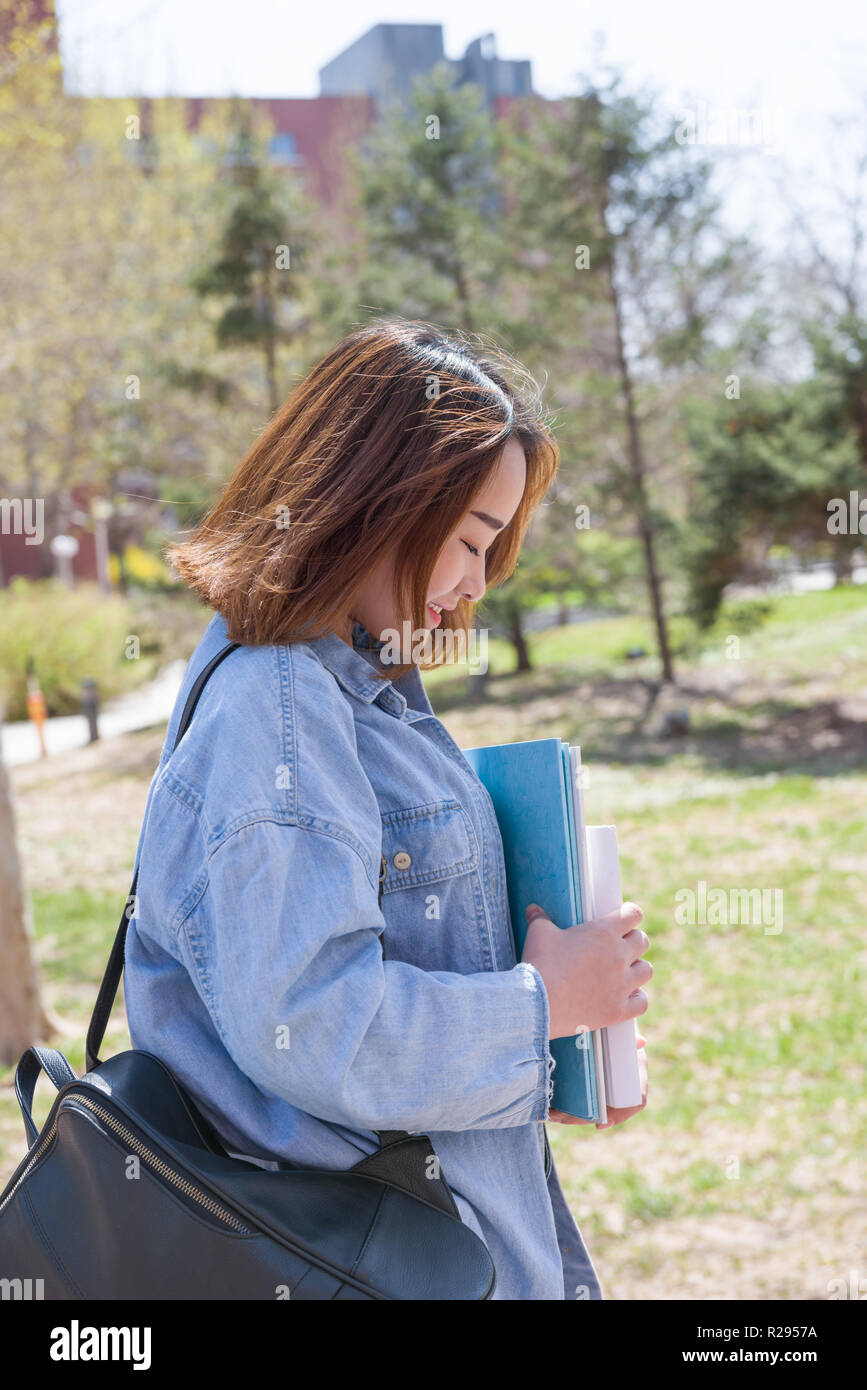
[491,521]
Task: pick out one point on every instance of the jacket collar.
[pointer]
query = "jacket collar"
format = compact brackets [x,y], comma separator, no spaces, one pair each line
[354,670]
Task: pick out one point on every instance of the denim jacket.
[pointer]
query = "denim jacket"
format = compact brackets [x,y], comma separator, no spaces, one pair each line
[254,963]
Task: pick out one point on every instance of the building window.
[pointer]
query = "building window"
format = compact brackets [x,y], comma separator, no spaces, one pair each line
[282,148]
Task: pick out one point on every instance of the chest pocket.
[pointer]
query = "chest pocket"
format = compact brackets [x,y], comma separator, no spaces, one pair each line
[431,893]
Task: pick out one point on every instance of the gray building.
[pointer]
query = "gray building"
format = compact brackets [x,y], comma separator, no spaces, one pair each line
[498,77]
[387,59]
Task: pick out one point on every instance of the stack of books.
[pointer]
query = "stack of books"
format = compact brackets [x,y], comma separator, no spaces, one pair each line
[572,871]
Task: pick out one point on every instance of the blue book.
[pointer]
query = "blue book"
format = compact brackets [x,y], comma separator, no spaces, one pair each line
[530,786]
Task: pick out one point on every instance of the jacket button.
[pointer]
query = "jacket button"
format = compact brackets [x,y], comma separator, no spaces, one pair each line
[402,860]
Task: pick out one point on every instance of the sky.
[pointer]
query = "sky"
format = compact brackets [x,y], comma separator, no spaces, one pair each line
[791,53]
[793,64]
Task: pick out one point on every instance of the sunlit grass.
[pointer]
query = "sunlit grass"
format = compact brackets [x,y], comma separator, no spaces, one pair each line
[744,1176]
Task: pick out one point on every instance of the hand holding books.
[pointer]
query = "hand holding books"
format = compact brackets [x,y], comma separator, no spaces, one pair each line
[550,853]
[592,972]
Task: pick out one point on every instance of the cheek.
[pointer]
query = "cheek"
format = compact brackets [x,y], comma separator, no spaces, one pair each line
[449,569]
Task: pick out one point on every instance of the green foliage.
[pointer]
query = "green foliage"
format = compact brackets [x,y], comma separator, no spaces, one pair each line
[263,240]
[430,195]
[71,634]
[764,469]
[191,498]
[746,616]
[620,240]
[840,362]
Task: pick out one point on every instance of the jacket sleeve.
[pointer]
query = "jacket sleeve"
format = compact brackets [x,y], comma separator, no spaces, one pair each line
[285,948]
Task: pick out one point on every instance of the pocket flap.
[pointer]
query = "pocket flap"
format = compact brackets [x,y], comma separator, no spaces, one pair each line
[425,843]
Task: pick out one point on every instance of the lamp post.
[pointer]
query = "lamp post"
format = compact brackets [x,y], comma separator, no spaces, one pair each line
[64,549]
[101,509]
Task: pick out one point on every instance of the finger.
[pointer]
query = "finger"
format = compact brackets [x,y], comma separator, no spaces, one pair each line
[622,920]
[637,1004]
[533,911]
[642,971]
[638,942]
[626,918]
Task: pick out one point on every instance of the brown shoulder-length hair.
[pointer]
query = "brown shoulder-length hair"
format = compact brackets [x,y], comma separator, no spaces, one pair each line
[383,445]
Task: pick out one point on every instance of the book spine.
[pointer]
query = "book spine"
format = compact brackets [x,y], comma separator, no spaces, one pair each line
[585,914]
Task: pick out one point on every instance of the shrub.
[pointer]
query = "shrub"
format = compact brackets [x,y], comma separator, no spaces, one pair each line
[70,634]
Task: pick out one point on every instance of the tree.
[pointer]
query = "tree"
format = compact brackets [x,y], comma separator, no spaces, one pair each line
[430,194]
[826,275]
[617,229]
[102,216]
[23,1018]
[29,85]
[264,239]
[765,468]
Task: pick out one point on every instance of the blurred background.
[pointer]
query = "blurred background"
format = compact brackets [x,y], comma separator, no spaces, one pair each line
[663,215]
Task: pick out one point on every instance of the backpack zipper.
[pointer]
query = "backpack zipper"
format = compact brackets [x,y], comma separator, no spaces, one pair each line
[154,1161]
[163,1169]
[34,1160]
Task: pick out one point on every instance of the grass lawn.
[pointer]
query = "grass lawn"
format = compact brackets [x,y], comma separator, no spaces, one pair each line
[744,1177]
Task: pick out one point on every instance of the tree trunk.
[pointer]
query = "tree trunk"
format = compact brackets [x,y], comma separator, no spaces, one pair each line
[637,469]
[463,289]
[516,635]
[842,561]
[477,686]
[271,372]
[23,1020]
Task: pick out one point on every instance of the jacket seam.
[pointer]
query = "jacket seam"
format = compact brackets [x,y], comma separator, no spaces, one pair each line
[303,822]
[286,683]
[543,1050]
[321,829]
[183,793]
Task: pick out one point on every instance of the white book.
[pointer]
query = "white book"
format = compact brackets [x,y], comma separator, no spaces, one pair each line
[619,1046]
[587,914]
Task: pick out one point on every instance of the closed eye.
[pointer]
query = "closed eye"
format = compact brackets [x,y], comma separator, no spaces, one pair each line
[471,547]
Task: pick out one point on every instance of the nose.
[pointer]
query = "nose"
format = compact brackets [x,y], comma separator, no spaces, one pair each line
[473,589]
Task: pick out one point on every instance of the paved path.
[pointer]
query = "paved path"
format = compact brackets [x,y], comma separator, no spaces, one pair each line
[139,709]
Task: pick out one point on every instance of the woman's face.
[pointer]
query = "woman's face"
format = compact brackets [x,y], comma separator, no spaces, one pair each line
[460,568]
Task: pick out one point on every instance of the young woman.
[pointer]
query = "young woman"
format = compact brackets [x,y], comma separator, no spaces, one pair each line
[393,487]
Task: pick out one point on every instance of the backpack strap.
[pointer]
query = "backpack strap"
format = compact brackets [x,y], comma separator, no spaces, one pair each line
[113,971]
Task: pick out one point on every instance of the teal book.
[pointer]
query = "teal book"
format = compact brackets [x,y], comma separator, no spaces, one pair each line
[531,788]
